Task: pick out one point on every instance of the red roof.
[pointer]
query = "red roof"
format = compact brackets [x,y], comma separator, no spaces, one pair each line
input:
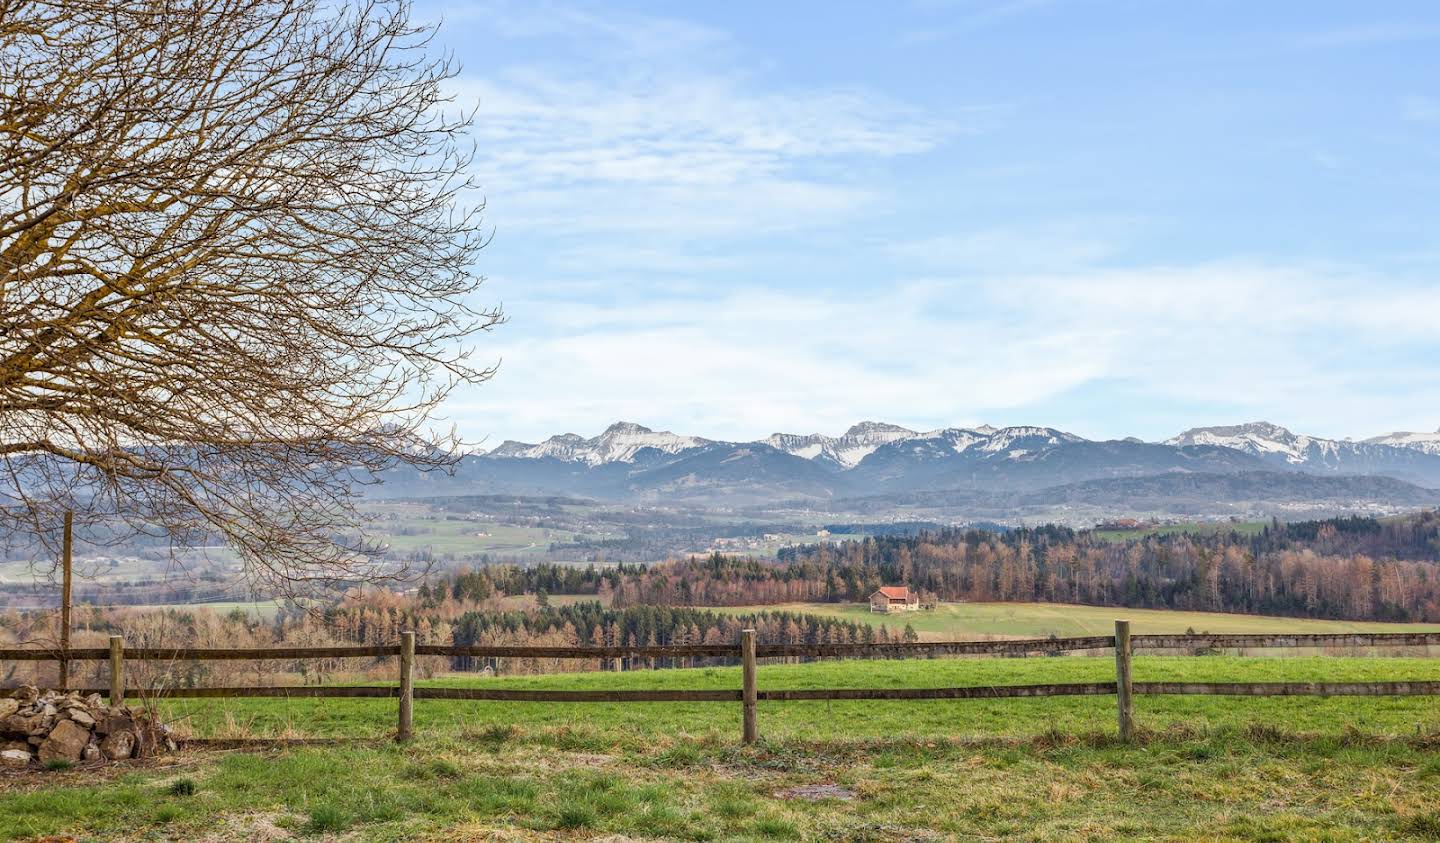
[895,592]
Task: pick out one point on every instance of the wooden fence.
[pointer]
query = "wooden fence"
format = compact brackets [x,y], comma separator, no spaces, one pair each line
[748,652]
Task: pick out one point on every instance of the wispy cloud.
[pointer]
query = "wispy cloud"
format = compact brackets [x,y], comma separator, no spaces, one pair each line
[1263,340]
[648,138]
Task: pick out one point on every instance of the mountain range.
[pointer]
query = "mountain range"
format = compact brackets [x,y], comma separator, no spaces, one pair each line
[629,462]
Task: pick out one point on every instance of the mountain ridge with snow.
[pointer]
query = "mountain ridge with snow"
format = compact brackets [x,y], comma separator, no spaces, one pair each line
[630,462]
[620,442]
[1428,443]
[1277,445]
[627,441]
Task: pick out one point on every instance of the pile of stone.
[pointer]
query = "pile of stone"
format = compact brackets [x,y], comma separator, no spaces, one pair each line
[53,726]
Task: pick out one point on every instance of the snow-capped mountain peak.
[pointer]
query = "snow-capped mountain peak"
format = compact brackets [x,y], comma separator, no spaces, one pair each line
[1394,453]
[1426,443]
[864,439]
[877,430]
[619,443]
[1260,438]
[1005,438]
[846,450]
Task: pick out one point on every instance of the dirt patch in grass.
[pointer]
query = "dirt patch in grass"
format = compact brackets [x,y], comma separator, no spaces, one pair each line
[259,827]
[816,793]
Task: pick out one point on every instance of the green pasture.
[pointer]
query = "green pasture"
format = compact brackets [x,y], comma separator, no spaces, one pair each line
[1204,768]
[1244,528]
[822,721]
[1039,620]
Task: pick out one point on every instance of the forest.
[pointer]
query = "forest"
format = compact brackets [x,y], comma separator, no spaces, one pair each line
[1343,568]
[1351,568]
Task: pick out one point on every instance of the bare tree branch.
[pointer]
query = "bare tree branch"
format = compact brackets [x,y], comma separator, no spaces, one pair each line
[236,267]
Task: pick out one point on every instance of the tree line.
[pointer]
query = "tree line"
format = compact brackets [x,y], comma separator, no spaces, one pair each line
[589,624]
[1356,568]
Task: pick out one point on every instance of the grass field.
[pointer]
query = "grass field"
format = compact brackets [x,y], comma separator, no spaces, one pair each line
[1038,620]
[1042,769]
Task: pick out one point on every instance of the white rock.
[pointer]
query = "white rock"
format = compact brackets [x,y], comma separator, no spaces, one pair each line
[14,759]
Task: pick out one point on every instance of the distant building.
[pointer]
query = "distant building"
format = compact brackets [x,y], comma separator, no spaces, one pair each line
[1120,524]
[894,598]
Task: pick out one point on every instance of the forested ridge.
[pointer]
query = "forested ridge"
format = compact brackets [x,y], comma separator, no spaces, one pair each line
[1358,568]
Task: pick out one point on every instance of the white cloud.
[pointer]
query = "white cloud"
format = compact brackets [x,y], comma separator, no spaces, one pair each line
[1299,346]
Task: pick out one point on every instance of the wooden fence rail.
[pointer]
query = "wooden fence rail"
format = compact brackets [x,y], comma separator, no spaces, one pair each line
[749,652]
[969,692]
[180,654]
[1016,647]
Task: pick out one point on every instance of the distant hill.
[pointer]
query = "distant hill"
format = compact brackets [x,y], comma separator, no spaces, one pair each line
[1200,494]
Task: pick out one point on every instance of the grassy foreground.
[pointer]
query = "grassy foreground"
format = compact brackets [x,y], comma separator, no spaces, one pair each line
[1044,769]
[951,621]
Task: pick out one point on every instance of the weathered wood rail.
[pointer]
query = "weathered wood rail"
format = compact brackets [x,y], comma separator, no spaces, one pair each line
[749,652]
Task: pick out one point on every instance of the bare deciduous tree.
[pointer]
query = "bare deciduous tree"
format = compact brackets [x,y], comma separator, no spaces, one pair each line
[236,266]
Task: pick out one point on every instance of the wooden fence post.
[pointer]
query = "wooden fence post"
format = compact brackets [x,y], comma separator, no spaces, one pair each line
[749,695]
[67,550]
[407,687]
[117,670]
[1123,685]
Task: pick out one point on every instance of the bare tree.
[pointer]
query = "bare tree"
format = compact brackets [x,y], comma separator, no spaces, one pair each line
[236,267]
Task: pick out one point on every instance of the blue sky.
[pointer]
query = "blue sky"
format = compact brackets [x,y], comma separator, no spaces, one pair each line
[1118,218]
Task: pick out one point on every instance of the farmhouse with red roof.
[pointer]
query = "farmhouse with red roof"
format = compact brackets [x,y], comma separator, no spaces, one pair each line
[894,598]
